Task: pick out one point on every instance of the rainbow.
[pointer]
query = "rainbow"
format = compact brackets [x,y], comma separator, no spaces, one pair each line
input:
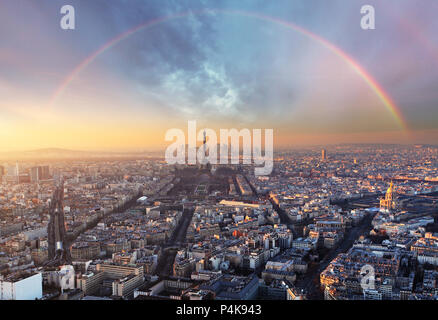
[369,80]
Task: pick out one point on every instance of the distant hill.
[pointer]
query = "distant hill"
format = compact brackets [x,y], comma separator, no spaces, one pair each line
[53,151]
[59,153]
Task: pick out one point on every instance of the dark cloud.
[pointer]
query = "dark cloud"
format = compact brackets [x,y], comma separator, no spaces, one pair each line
[224,65]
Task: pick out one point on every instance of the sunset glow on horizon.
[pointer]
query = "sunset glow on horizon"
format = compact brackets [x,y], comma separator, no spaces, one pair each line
[128,73]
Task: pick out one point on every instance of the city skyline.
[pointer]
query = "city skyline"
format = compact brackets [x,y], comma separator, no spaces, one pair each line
[218,157]
[316,228]
[129,72]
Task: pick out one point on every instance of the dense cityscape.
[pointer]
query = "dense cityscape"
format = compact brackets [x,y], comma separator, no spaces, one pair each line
[202,158]
[138,228]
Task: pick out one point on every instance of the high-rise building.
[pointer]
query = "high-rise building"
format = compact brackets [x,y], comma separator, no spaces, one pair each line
[39,173]
[323,155]
[35,174]
[45,173]
[12,171]
[2,173]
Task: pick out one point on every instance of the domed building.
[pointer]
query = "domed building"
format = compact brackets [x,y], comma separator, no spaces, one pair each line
[389,203]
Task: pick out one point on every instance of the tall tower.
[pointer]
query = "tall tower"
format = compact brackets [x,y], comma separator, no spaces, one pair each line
[17,172]
[205,166]
[204,145]
[323,155]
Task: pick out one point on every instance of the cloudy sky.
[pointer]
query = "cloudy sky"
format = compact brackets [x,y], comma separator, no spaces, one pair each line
[224,63]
